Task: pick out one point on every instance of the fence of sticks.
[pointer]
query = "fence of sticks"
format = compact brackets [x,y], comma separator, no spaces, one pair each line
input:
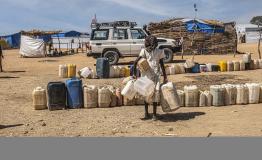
[198,42]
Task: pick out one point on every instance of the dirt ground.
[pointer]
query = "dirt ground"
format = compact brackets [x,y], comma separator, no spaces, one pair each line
[22,75]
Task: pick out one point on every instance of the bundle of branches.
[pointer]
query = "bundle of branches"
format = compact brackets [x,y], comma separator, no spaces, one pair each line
[198,42]
[36,32]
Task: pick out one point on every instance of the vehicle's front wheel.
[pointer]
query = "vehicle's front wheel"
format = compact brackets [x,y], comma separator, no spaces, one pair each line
[168,55]
[112,56]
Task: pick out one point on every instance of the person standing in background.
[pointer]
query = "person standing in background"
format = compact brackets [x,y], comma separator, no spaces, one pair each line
[1,57]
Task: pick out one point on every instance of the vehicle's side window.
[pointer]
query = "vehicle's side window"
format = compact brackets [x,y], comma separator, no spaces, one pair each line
[100,34]
[120,34]
[137,34]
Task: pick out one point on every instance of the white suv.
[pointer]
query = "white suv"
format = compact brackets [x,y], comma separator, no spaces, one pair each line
[123,39]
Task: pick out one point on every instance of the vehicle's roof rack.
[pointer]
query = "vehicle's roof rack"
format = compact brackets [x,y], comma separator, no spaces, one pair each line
[113,24]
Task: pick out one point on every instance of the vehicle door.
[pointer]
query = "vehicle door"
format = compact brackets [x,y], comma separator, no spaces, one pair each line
[120,41]
[138,39]
[99,40]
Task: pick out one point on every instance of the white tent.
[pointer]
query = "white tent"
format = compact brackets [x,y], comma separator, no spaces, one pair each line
[31,47]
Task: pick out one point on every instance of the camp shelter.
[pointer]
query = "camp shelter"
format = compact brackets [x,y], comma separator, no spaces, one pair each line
[13,40]
[33,43]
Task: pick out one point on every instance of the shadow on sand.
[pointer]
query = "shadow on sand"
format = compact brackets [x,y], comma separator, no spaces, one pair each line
[173,117]
[14,71]
[10,126]
[8,77]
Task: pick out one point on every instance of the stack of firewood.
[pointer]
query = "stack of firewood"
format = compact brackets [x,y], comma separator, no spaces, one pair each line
[197,42]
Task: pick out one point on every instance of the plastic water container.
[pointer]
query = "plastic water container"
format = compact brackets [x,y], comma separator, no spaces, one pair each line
[256,64]
[253,92]
[169,98]
[181,68]
[139,100]
[202,99]
[209,98]
[215,68]
[143,65]
[172,70]
[203,68]
[86,72]
[247,58]
[90,96]
[129,102]
[242,66]
[230,94]
[102,68]
[252,65]
[260,63]
[223,66]
[112,72]
[71,70]
[260,95]
[93,74]
[56,92]
[218,94]
[74,93]
[191,96]
[167,69]
[209,67]
[119,97]
[181,95]
[122,71]
[242,94]
[116,71]
[188,70]
[196,68]
[144,86]
[236,65]
[104,97]
[129,90]
[230,66]
[39,98]
[113,96]
[177,68]
[63,71]
[127,72]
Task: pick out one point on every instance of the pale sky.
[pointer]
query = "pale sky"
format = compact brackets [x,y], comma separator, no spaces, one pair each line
[19,15]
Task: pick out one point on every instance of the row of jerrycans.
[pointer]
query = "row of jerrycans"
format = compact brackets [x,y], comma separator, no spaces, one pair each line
[72,95]
[60,95]
[67,71]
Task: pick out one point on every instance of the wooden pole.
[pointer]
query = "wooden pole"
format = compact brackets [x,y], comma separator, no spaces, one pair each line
[1,56]
[259,41]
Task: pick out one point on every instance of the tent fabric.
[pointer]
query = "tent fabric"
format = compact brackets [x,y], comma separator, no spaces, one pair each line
[13,40]
[67,34]
[31,47]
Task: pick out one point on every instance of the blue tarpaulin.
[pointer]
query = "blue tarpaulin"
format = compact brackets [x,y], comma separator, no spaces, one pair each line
[68,34]
[196,26]
[13,40]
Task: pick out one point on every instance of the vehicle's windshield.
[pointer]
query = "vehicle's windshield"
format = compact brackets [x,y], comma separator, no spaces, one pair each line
[100,34]
[137,34]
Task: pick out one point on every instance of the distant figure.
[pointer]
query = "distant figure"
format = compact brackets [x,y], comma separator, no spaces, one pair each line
[1,57]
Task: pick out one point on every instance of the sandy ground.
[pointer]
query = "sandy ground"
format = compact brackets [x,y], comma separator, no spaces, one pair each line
[22,75]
